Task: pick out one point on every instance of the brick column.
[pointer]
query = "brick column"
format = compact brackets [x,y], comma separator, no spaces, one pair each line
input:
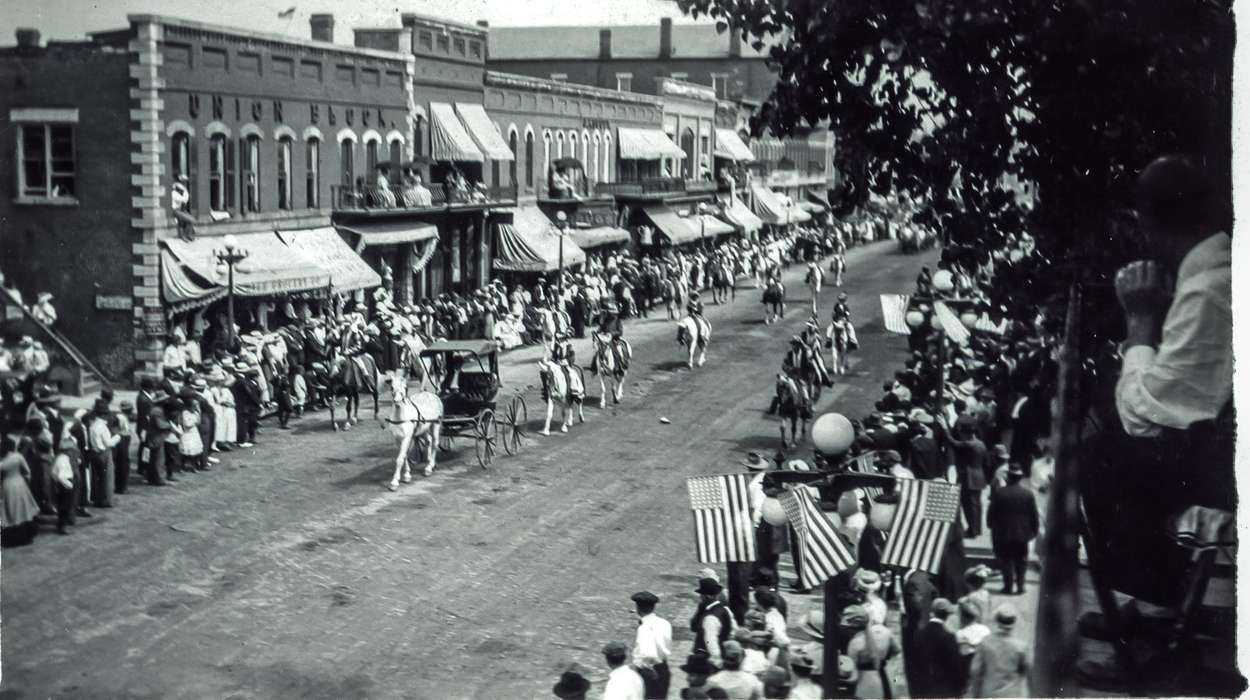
[149,221]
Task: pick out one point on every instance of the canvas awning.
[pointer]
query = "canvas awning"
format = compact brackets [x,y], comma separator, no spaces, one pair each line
[647,144]
[771,209]
[729,145]
[677,230]
[810,207]
[449,141]
[483,131]
[531,243]
[325,248]
[712,226]
[821,202]
[191,272]
[740,215]
[587,238]
[391,233]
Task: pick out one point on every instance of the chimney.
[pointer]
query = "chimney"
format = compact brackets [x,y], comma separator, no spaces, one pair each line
[485,44]
[322,27]
[735,42]
[483,24]
[666,37]
[408,19]
[605,44]
[27,38]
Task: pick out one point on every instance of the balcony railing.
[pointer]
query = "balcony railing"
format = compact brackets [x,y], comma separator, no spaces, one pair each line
[368,198]
[644,186]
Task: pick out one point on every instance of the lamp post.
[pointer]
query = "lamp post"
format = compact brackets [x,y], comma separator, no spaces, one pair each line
[232,254]
[702,209]
[562,222]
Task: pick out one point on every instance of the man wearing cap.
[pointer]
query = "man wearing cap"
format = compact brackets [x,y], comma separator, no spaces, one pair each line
[939,672]
[247,402]
[923,449]
[653,644]
[804,662]
[712,622]
[100,444]
[1013,521]
[1000,666]
[624,683]
[968,455]
[737,684]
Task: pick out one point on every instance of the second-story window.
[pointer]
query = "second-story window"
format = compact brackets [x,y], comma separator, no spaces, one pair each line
[720,84]
[251,173]
[371,159]
[284,173]
[217,178]
[625,82]
[529,159]
[180,160]
[347,164]
[312,184]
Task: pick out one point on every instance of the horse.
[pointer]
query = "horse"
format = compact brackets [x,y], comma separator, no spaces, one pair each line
[837,266]
[723,286]
[562,384]
[794,401]
[414,418]
[694,333]
[611,362]
[349,376]
[774,300]
[841,341]
[814,279]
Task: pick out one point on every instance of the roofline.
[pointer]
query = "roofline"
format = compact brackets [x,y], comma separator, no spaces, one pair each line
[611,59]
[264,36]
[440,21]
[500,79]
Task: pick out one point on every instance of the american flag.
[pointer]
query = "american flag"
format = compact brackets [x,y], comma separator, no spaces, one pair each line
[863,464]
[954,328]
[723,530]
[822,553]
[922,523]
[894,313]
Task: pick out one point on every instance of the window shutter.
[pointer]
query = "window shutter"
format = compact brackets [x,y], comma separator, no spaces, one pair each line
[231,179]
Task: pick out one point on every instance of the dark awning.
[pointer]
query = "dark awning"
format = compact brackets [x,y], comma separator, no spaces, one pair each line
[391,233]
[531,243]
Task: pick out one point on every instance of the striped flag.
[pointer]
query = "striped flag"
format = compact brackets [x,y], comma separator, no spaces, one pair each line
[894,313]
[723,530]
[950,323]
[984,324]
[922,523]
[822,553]
[863,464]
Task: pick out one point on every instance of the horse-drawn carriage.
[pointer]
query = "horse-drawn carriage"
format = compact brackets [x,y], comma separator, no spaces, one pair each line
[469,389]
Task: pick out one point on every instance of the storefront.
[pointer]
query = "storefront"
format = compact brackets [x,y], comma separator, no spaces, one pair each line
[527,243]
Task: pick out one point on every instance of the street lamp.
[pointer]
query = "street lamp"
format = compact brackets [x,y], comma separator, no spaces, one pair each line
[702,209]
[562,222]
[232,254]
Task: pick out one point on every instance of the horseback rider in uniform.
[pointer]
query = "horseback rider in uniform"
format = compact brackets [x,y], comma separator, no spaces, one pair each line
[695,307]
[842,312]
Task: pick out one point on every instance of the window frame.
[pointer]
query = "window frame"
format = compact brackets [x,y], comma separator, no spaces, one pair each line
[218,146]
[249,200]
[45,195]
[628,79]
[723,92]
[312,173]
[529,158]
[285,155]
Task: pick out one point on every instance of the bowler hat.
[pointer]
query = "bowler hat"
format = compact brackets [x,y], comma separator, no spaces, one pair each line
[1005,615]
[614,649]
[101,407]
[698,663]
[572,685]
[708,586]
[1015,470]
[645,598]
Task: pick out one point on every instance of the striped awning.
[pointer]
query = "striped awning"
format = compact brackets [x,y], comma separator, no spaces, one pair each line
[740,215]
[449,141]
[587,238]
[677,230]
[531,243]
[647,144]
[325,248]
[483,131]
[191,274]
[729,145]
[391,233]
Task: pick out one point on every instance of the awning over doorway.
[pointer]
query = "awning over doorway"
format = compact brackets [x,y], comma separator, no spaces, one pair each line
[391,233]
[729,145]
[483,131]
[770,207]
[531,243]
[647,144]
[191,274]
[740,215]
[326,249]
[712,226]
[677,230]
[448,139]
[587,238]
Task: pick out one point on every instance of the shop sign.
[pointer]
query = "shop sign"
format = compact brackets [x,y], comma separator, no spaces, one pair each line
[595,123]
[113,302]
[222,107]
[154,323]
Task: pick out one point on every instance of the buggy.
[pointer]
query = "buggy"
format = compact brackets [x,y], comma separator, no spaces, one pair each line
[468,385]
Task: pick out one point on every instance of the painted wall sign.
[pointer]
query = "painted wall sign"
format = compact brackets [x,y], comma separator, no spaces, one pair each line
[113,302]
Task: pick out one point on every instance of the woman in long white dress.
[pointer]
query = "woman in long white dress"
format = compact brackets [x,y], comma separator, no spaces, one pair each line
[227,429]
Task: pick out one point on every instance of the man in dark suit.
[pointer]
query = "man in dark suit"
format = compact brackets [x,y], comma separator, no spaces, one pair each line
[923,449]
[919,594]
[940,666]
[1013,521]
[968,454]
[247,403]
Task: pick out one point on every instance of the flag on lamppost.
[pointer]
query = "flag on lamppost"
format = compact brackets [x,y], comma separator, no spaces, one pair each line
[922,523]
[822,553]
[950,323]
[723,528]
[894,313]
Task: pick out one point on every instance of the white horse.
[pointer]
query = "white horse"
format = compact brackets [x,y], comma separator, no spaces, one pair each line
[413,418]
[611,364]
[837,266]
[564,385]
[694,333]
[842,343]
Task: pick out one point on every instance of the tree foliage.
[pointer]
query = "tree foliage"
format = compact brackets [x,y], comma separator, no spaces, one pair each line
[1073,95]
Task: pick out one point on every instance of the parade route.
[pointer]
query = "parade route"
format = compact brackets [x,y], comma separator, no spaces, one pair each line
[288,571]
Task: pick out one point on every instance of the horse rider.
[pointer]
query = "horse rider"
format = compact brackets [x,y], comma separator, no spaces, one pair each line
[924,283]
[610,320]
[814,279]
[695,307]
[796,358]
[562,352]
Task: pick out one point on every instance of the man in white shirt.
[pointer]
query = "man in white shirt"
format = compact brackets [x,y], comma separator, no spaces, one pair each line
[737,684]
[653,643]
[624,683]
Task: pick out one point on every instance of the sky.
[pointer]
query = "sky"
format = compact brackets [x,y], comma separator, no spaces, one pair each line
[73,19]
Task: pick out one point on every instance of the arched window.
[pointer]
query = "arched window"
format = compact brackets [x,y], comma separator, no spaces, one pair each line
[180,158]
[397,159]
[687,145]
[516,155]
[592,164]
[586,149]
[251,173]
[529,159]
[418,136]
[312,185]
[559,147]
[371,159]
[347,165]
[573,145]
[217,175]
[546,153]
[609,174]
[284,173]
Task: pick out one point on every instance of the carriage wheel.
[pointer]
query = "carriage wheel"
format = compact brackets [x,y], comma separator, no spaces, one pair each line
[514,424]
[484,438]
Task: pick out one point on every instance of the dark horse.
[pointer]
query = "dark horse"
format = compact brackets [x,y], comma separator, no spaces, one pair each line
[347,378]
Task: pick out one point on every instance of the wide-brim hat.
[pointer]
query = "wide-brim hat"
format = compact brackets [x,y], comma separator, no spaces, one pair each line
[979,572]
[1015,470]
[698,664]
[868,580]
[100,407]
[1005,616]
[1000,451]
[755,462]
[572,684]
[709,586]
